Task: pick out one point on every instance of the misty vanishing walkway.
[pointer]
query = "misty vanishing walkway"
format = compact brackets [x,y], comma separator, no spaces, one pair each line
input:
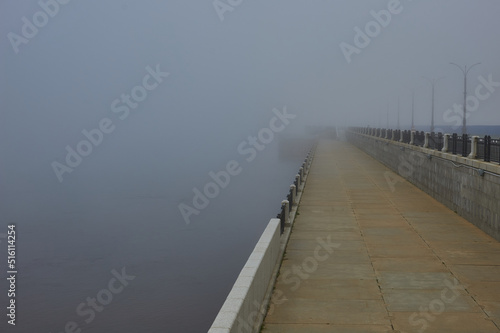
[362,258]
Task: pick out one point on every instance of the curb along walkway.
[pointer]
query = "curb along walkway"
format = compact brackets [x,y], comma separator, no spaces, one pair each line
[362,258]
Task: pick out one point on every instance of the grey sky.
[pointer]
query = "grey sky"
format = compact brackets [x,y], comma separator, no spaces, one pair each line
[262,54]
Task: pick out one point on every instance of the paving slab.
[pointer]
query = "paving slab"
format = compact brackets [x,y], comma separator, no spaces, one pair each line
[334,312]
[326,328]
[400,251]
[484,291]
[414,280]
[405,265]
[363,257]
[412,300]
[321,289]
[483,273]
[464,322]
[340,257]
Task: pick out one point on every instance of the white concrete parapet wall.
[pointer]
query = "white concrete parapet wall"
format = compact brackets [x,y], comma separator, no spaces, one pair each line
[246,305]
[243,309]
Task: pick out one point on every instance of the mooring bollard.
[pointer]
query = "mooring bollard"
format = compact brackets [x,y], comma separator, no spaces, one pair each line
[287,211]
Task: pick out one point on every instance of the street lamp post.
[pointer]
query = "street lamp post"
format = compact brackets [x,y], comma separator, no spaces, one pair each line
[412,110]
[398,113]
[465,71]
[387,118]
[433,81]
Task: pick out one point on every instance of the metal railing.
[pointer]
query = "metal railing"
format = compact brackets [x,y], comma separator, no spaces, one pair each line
[419,138]
[436,141]
[488,149]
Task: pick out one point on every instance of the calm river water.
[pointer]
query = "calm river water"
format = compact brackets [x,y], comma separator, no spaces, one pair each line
[74,240]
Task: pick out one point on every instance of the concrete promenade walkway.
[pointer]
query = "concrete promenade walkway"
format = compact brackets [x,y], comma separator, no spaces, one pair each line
[365,258]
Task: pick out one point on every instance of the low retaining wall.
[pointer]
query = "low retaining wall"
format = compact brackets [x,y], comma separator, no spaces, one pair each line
[468,186]
[242,307]
[246,305]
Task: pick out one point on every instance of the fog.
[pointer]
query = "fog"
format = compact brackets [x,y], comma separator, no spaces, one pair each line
[113,113]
